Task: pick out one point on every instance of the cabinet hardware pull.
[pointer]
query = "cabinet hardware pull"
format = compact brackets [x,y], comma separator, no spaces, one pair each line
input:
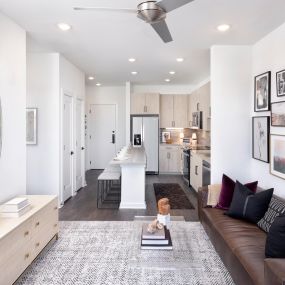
[37,224]
[146,109]
[196,170]
[55,208]
[27,255]
[55,225]
[26,233]
[37,244]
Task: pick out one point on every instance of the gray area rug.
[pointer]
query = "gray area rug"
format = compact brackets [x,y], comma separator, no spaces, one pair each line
[109,253]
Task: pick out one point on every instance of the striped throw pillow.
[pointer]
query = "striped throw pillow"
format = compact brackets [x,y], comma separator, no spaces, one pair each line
[275,209]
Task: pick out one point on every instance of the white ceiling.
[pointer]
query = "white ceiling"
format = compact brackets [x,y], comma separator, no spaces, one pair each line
[100,43]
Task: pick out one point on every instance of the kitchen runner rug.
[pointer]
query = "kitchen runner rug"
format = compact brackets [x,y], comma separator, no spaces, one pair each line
[175,194]
[108,253]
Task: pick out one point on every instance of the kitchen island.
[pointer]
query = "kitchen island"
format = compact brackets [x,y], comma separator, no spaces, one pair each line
[133,166]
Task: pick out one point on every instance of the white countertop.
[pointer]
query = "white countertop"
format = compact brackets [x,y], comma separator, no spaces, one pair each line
[130,156]
[203,154]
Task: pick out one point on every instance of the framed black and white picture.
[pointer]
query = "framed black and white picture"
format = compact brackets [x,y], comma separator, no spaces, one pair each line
[278,114]
[260,138]
[280,83]
[262,92]
[31,126]
[277,155]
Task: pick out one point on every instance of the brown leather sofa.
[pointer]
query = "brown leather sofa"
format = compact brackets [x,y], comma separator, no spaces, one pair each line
[241,246]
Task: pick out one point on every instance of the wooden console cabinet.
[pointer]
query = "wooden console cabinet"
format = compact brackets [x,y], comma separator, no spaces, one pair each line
[22,239]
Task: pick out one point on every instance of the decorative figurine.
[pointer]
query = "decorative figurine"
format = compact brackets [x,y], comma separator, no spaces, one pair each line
[163,216]
[153,226]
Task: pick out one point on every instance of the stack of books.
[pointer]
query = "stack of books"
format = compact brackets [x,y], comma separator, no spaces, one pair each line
[161,239]
[15,208]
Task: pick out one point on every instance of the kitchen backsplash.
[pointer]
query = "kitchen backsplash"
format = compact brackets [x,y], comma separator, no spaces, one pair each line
[203,137]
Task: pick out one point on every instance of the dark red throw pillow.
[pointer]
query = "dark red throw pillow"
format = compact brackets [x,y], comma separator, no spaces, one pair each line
[227,191]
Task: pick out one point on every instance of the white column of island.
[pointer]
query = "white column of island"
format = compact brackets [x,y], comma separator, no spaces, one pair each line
[133,164]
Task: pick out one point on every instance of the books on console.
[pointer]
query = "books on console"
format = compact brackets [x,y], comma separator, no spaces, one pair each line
[161,239]
[15,208]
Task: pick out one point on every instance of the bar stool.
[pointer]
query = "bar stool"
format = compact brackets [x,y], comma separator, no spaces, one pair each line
[109,188]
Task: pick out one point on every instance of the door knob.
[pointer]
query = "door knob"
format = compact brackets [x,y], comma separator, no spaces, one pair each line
[71,153]
[82,148]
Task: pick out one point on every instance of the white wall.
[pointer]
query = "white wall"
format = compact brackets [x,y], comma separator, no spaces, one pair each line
[13,97]
[164,89]
[231,84]
[109,95]
[268,55]
[47,74]
[43,93]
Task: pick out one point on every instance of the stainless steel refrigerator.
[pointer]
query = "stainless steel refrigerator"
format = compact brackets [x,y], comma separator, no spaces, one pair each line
[148,128]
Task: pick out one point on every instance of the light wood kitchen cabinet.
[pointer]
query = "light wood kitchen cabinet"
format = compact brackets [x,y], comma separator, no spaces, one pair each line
[23,238]
[173,111]
[166,111]
[199,100]
[145,103]
[196,167]
[170,159]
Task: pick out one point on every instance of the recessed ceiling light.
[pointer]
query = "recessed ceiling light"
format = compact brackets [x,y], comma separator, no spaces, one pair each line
[172,72]
[91,78]
[132,59]
[98,84]
[180,59]
[167,80]
[134,72]
[63,26]
[223,28]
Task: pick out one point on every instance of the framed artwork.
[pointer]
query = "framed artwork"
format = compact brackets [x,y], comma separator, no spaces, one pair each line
[280,83]
[278,114]
[31,126]
[262,92]
[277,155]
[260,138]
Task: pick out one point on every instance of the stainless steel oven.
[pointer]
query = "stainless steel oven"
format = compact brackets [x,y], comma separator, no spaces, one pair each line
[186,165]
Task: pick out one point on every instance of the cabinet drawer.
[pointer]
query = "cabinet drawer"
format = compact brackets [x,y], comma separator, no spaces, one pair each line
[15,264]
[15,241]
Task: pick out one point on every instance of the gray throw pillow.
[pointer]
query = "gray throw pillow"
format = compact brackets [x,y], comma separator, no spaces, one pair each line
[276,208]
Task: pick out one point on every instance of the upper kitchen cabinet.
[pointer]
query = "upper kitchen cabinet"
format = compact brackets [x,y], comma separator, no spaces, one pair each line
[173,111]
[166,111]
[199,100]
[146,103]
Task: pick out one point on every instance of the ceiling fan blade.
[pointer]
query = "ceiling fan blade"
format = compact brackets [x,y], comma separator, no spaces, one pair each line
[122,10]
[163,31]
[169,5]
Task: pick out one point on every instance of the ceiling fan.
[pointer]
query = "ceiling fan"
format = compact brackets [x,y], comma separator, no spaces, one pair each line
[152,12]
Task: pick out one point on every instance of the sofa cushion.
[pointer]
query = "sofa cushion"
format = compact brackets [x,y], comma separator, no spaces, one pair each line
[275,209]
[227,191]
[247,205]
[275,246]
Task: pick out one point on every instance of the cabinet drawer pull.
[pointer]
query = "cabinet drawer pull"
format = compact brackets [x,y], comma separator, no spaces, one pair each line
[55,208]
[27,255]
[55,225]
[37,244]
[37,224]
[26,233]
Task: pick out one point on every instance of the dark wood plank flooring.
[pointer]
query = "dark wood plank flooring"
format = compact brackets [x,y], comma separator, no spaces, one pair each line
[82,207]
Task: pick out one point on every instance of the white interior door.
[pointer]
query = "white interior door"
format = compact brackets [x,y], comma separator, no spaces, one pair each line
[67,147]
[79,145]
[102,135]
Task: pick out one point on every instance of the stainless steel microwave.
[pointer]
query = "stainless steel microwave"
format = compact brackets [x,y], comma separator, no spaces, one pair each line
[197,120]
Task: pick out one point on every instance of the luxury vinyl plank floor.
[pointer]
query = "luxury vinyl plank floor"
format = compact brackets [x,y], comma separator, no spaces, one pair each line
[83,206]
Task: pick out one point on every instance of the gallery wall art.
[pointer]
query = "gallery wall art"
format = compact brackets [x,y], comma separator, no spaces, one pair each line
[31,126]
[278,114]
[260,138]
[277,155]
[262,92]
[280,83]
